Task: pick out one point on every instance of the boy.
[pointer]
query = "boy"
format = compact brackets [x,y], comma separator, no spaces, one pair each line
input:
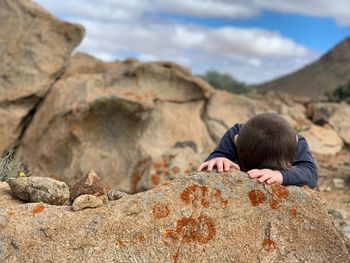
[268,149]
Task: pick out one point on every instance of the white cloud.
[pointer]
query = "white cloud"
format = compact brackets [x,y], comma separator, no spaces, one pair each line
[118,29]
[336,9]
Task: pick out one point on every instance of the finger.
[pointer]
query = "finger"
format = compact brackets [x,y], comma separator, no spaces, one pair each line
[236,166]
[264,178]
[227,165]
[219,165]
[272,180]
[211,165]
[255,174]
[202,166]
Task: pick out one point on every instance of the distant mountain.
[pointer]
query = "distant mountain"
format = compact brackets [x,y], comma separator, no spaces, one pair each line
[314,80]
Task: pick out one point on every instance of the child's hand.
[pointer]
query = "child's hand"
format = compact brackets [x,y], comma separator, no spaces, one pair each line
[222,164]
[266,176]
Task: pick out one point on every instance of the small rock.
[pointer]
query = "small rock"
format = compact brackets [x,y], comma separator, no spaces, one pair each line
[39,189]
[115,195]
[346,228]
[336,214]
[89,184]
[324,188]
[86,201]
[338,183]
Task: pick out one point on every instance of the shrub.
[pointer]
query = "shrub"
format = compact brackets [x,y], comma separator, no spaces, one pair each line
[224,81]
[341,93]
[10,167]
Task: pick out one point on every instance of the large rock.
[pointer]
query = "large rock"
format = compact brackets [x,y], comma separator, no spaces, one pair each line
[340,121]
[225,109]
[117,119]
[33,50]
[323,140]
[197,218]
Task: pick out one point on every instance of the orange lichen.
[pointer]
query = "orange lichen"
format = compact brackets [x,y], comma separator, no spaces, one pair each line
[274,204]
[239,181]
[160,211]
[217,194]
[128,93]
[141,238]
[170,234]
[155,179]
[195,194]
[176,255]
[293,212]
[141,168]
[156,165]
[201,230]
[256,197]
[38,208]
[121,243]
[205,229]
[269,245]
[11,213]
[175,170]
[280,191]
[186,227]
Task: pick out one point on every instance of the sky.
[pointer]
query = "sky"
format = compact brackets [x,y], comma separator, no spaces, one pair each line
[253,40]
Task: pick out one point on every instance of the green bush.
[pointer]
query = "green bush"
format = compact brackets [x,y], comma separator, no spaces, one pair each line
[10,167]
[224,81]
[341,93]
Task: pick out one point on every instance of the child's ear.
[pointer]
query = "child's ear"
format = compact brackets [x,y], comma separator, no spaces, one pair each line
[235,139]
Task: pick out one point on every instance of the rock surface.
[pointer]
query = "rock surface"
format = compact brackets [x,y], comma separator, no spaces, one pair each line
[89,184]
[195,218]
[39,189]
[323,140]
[340,120]
[34,48]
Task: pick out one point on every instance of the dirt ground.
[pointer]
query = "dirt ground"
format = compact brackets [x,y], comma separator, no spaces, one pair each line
[334,187]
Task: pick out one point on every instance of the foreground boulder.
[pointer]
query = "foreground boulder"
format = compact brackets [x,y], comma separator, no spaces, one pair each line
[33,51]
[195,218]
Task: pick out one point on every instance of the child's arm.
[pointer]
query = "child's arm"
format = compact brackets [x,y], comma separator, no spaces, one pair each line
[225,154]
[304,171]
[226,147]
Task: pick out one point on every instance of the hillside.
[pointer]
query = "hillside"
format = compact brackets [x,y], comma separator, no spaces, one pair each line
[314,80]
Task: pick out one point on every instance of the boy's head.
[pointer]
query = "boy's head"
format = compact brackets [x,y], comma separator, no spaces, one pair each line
[266,141]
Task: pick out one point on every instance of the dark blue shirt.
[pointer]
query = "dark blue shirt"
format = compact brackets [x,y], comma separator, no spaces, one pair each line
[303,172]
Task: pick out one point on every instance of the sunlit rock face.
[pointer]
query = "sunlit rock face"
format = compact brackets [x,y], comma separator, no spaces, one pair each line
[34,49]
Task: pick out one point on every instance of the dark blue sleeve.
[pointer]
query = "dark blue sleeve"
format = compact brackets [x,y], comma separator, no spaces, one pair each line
[226,147]
[304,170]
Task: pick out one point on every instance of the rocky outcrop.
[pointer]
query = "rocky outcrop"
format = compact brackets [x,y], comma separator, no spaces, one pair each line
[202,218]
[119,119]
[33,51]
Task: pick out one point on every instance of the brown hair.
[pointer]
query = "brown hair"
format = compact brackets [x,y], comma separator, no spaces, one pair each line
[266,141]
